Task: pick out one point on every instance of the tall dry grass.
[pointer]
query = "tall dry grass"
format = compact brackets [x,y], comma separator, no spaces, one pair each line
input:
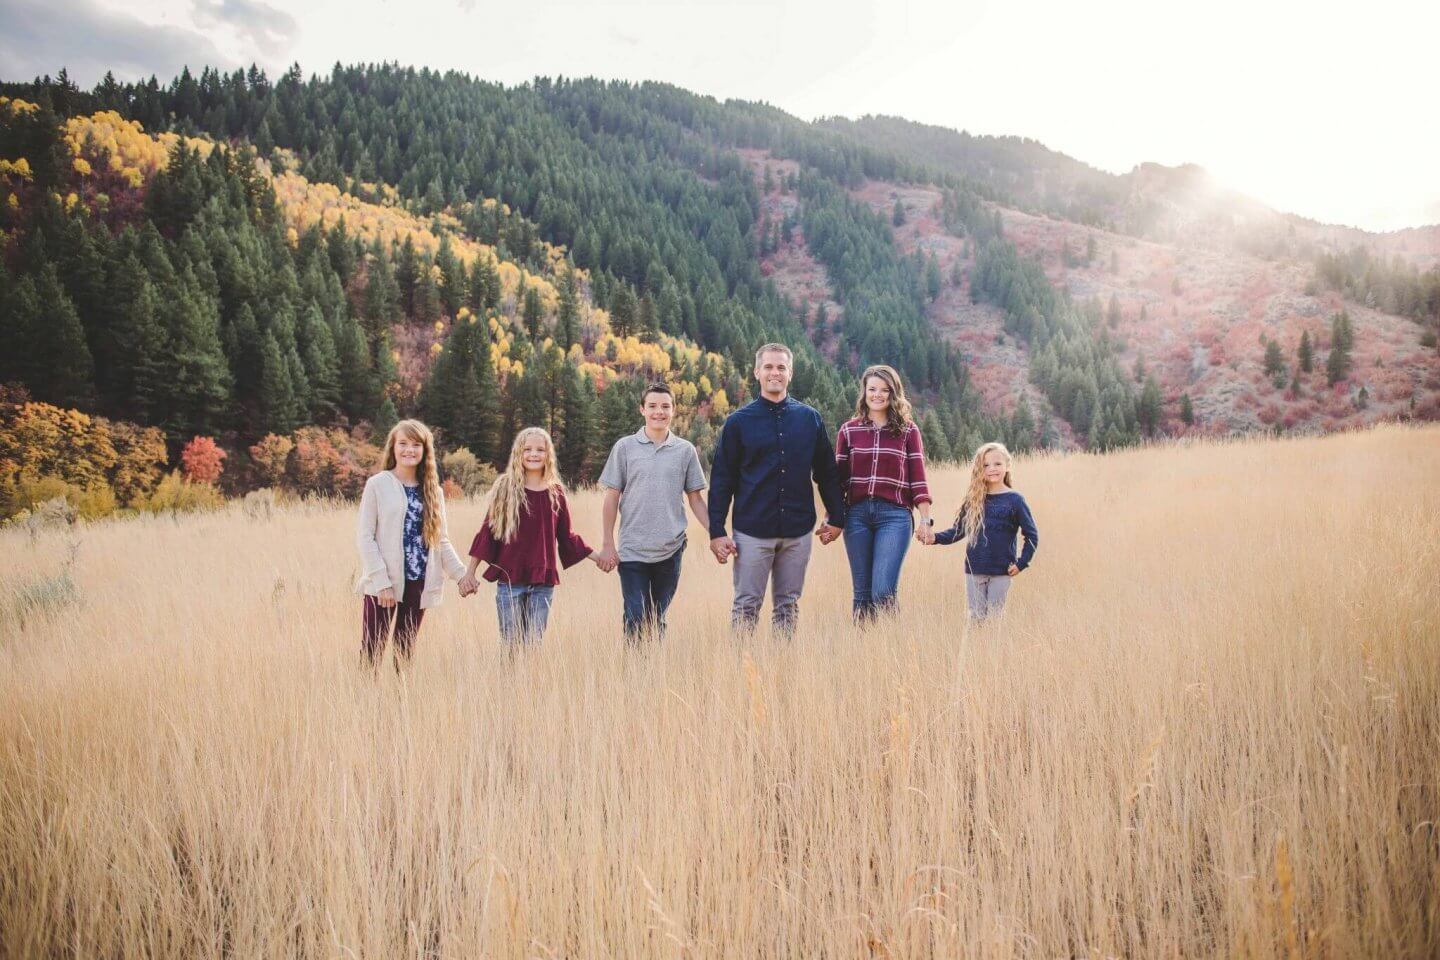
[1209,726]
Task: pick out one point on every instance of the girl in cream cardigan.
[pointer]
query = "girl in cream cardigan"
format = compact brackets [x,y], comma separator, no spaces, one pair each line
[405,551]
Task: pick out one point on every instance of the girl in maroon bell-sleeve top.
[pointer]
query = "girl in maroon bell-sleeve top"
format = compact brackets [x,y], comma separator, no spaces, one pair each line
[527,522]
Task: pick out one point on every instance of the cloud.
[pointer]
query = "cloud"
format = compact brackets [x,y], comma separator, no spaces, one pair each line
[39,38]
[266,31]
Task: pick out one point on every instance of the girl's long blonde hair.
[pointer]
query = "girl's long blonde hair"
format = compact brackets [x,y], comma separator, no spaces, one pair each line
[972,510]
[507,496]
[427,472]
[897,415]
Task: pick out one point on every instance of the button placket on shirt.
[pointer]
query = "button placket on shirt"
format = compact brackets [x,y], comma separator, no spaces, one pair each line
[780,442]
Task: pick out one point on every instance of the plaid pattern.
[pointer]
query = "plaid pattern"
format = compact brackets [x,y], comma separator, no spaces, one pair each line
[875,462]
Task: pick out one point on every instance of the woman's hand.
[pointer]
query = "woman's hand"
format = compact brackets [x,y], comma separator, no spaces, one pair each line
[468,585]
[925,534]
[386,597]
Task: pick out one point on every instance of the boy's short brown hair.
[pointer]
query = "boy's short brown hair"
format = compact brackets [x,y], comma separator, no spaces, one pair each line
[658,386]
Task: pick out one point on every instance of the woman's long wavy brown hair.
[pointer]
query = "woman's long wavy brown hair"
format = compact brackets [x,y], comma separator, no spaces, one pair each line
[507,496]
[898,414]
[972,510]
[428,473]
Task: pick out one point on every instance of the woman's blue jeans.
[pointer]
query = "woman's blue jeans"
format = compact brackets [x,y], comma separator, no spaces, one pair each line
[877,536]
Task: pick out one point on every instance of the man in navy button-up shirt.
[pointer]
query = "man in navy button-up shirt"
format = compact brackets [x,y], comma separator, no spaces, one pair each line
[771,451]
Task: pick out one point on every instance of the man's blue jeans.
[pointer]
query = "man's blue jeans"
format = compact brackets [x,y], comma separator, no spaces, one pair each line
[648,589]
[877,536]
[524,609]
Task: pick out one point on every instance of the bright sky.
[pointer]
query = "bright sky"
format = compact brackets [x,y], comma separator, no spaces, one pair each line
[1322,109]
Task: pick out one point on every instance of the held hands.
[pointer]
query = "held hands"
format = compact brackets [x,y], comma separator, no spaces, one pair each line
[606,559]
[925,534]
[723,548]
[468,585]
[828,533]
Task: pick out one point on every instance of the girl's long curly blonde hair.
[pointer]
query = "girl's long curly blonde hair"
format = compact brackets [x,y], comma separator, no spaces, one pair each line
[972,510]
[898,415]
[507,496]
[426,472]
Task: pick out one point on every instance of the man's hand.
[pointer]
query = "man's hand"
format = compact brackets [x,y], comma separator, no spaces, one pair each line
[607,559]
[386,597]
[1014,571]
[724,548]
[829,533]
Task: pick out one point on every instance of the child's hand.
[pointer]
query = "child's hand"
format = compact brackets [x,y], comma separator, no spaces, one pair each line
[1014,571]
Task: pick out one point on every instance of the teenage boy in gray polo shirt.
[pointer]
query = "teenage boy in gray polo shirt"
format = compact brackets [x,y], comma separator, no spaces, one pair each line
[649,477]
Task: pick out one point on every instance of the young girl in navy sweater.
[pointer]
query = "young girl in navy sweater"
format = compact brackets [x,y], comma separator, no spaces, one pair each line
[989,519]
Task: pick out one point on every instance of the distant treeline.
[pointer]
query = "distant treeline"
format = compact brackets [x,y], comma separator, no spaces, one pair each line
[1392,286]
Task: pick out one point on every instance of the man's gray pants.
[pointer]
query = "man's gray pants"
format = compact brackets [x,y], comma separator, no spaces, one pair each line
[759,560]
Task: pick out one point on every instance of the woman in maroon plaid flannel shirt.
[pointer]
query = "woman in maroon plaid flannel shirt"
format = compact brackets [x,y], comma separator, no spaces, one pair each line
[881,459]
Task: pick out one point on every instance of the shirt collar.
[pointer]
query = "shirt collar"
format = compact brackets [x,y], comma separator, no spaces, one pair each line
[644,438]
[772,405]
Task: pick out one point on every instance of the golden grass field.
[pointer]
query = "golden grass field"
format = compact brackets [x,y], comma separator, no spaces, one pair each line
[1209,726]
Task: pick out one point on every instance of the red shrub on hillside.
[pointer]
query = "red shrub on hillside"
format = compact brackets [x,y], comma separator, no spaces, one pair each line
[202,460]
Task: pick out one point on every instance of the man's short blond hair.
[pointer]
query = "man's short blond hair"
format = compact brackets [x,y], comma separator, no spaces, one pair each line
[775,348]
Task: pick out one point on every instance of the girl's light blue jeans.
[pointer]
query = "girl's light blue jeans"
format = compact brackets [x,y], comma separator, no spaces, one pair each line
[524,610]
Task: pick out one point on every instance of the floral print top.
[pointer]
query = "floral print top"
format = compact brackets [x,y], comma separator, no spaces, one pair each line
[416,556]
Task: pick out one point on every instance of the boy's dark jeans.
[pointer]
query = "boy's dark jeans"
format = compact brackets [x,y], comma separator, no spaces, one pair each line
[648,589]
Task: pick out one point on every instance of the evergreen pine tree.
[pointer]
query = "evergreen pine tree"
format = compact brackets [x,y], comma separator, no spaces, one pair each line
[1339,363]
[1022,427]
[276,393]
[322,364]
[56,364]
[386,416]
[532,313]
[577,420]
[1148,411]
[937,445]
[1187,410]
[407,275]
[382,298]
[427,307]
[567,323]
[647,321]
[452,278]
[359,387]
[485,438]
[622,311]
[1306,354]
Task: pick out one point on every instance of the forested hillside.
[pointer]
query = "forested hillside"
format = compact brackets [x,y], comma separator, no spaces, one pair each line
[286,267]
[1223,312]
